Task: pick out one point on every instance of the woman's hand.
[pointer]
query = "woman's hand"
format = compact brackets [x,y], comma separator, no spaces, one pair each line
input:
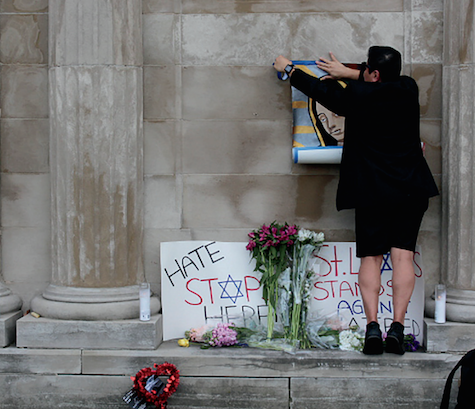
[281,62]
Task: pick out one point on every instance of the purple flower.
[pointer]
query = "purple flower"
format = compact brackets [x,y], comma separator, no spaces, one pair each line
[223,335]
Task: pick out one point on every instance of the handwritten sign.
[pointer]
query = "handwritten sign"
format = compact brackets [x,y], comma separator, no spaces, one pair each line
[207,282]
[336,289]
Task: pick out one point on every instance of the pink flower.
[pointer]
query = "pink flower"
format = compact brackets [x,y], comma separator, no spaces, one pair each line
[251,245]
[197,334]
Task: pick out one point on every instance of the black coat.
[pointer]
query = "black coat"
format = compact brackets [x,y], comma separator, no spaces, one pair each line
[382,158]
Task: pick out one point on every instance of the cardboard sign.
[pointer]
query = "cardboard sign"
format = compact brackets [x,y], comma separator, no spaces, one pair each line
[336,288]
[207,282]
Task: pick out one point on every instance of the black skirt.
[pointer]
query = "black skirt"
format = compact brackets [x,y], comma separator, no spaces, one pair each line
[381,227]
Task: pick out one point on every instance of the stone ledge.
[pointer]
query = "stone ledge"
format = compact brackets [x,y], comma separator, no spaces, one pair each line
[39,361]
[7,327]
[63,334]
[238,378]
[449,337]
[254,362]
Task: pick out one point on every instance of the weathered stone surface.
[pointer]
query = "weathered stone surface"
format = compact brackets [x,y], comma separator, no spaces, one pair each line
[24,6]
[458,32]
[279,6]
[237,201]
[162,147]
[96,176]
[214,40]
[105,32]
[217,40]
[356,33]
[430,242]
[90,304]
[245,147]
[427,4]
[341,393]
[63,334]
[231,392]
[227,377]
[163,202]
[427,36]
[24,91]
[73,392]
[429,80]
[26,254]
[458,124]
[161,39]
[162,92]
[8,321]
[161,6]
[26,200]
[256,362]
[431,130]
[39,361]
[236,235]
[24,39]
[448,337]
[243,93]
[25,145]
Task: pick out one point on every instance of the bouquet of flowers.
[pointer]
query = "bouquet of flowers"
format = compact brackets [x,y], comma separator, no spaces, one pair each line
[295,286]
[223,335]
[270,247]
[333,331]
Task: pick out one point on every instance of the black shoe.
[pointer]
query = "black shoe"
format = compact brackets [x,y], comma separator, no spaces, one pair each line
[395,339]
[373,342]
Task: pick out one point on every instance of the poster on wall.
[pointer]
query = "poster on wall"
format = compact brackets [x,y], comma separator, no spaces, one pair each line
[207,282]
[317,133]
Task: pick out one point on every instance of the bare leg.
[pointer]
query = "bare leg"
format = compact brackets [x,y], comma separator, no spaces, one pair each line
[369,280]
[403,281]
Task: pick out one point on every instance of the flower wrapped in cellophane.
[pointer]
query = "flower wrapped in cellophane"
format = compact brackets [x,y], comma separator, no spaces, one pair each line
[295,285]
[269,246]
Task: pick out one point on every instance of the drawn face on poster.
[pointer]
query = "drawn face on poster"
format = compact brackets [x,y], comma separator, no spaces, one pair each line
[331,124]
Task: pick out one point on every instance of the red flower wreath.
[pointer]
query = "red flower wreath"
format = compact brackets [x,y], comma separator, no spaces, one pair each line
[160,400]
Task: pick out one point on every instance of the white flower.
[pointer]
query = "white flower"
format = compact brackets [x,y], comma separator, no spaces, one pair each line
[350,341]
[319,237]
[304,234]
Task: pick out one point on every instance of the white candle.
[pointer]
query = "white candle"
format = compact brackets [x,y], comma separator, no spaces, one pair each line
[144,296]
[440,299]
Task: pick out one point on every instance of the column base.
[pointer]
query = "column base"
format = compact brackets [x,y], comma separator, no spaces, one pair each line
[9,302]
[448,337]
[63,334]
[8,327]
[460,306]
[91,311]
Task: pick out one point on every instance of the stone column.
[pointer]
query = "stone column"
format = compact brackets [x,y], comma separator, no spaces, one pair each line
[96,150]
[458,186]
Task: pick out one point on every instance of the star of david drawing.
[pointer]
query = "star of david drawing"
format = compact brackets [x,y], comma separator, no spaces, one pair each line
[386,266]
[235,285]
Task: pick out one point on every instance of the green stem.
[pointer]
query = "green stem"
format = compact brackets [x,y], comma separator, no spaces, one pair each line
[270,321]
[295,323]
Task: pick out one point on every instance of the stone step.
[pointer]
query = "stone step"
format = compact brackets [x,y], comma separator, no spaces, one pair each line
[241,378]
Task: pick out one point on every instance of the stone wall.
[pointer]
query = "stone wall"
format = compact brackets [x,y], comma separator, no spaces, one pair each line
[217,121]
[24,131]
